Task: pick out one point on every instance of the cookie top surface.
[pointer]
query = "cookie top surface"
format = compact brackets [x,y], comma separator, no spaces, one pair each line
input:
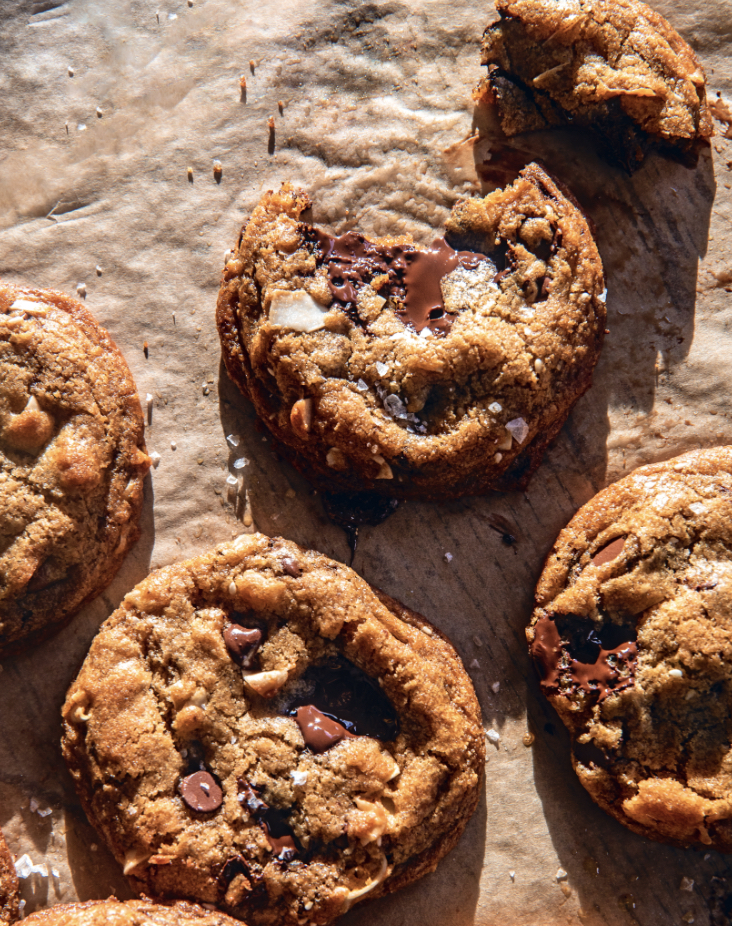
[8,885]
[615,66]
[631,637]
[258,729]
[114,912]
[416,372]
[72,460]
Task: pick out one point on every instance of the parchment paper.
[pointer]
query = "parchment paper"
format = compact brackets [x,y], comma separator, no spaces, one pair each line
[104,104]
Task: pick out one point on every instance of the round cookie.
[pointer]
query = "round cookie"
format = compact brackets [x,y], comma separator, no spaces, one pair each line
[382,366]
[114,912]
[72,460]
[614,66]
[8,885]
[632,637]
[257,728]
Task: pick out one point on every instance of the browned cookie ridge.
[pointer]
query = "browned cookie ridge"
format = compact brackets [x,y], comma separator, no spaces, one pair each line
[113,912]
[632,640]
[8,885]
[411,372]
[258,729]
[72,460]
[614,66]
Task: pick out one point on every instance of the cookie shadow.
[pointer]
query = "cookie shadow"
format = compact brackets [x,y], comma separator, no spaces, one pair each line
[619,878]
[94,872]
[651,229]
[265,487]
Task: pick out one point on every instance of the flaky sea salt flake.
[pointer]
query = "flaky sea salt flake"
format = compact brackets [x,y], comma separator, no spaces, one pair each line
[561,875]
[494,736]
[518,429]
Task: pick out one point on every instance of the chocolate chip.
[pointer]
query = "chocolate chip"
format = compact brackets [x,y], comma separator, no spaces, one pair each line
[291,566]
[609,552]
[242,643]
[319,731]
[201,792]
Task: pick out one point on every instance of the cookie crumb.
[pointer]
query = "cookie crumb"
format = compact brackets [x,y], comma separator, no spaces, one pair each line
[218,171]
[496,687]
[528,738]
[70,72]
[100,112]
[155,457]
[190,174]
[98,270]
[81,290]
[493,736]
[173,445]
[146,349]
[448,557]
[512,875]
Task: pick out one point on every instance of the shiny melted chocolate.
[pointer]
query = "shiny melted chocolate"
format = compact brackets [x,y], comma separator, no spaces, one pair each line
[320,731]
[413,277]
[587,667]
[342,692]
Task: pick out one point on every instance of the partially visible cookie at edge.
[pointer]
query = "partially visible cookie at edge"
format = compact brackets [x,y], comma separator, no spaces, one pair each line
[632,640]
[72,460]
[382,366]
[113,912]
[258,729]
[614,66]
[9,888]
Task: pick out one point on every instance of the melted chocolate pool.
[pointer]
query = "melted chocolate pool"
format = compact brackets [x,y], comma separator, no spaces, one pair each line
[413,276]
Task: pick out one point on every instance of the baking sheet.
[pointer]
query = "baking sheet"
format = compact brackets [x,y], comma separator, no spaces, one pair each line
[103,108]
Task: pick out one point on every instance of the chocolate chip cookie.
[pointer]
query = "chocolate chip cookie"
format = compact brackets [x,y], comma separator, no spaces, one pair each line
[257,728]
[382,366]
[72,460]
[8,885]
[632,639]
[114,912]
[613,66]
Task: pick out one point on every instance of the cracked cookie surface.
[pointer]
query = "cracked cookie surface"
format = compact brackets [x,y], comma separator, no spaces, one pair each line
[8,885]
[257,728]
[614,66]
[632,639]
[114,912]
[72,460]
[382,366]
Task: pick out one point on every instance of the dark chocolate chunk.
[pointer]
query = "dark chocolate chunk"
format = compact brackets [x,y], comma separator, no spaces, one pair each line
[201,792]
[609,552]
[233,867]
[587,657]
[274,822]
[347,695]
[319,731]
[242,643]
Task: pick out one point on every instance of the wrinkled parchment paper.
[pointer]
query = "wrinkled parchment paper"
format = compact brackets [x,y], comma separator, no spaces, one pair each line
[104,105]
